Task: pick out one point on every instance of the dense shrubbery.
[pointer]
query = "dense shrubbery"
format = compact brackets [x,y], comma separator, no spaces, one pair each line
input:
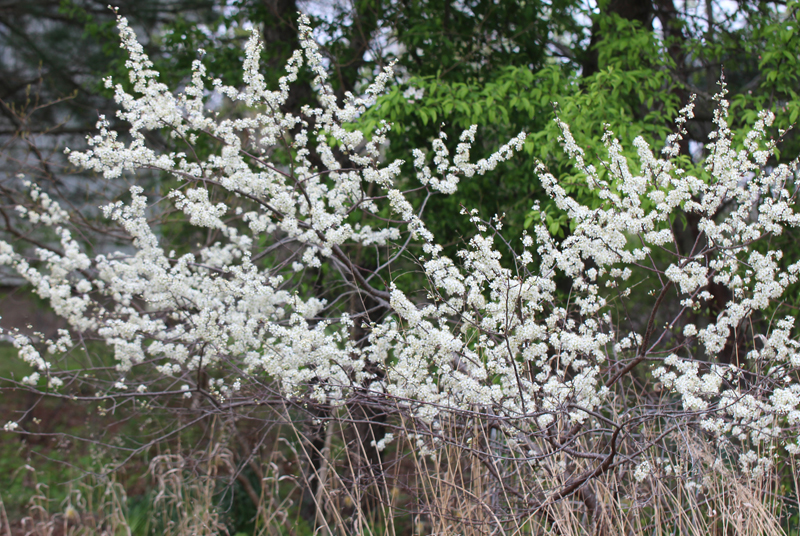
[279,260]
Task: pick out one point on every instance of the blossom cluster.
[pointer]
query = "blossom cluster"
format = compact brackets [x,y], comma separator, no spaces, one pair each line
[491,337]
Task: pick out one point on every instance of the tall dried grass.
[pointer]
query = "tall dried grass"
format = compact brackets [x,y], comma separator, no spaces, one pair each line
[470,485]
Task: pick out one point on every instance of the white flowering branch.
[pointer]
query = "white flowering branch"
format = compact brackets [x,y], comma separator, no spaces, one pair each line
[551,353]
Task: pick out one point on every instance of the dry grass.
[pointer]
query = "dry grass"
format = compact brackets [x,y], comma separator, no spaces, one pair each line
[469,487]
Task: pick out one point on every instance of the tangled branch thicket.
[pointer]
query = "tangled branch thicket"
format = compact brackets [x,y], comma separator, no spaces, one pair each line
[289,268]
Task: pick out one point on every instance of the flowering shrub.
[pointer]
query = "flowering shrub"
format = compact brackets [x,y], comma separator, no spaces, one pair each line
[549,345]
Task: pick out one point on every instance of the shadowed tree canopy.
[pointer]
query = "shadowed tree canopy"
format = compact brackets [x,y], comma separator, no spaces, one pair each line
[63,48]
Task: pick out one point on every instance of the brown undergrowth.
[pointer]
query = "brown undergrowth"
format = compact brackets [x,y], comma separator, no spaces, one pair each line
[420,486]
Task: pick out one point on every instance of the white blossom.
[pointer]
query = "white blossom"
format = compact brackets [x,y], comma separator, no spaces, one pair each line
[484,333]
